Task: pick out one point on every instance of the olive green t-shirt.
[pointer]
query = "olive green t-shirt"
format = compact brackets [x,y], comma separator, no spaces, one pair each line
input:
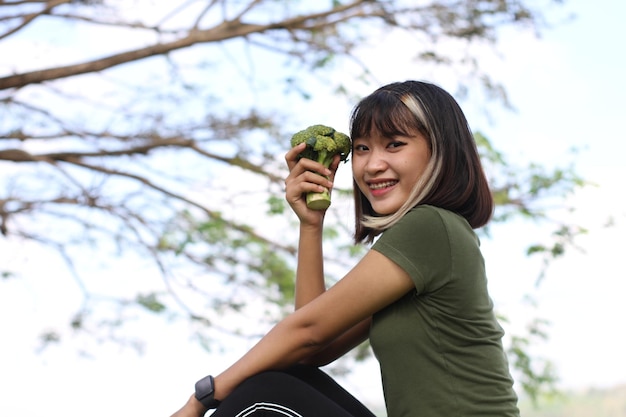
[439,347]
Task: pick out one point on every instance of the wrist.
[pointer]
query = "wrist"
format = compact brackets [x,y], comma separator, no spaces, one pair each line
[311,228]
[205,393]
[195,406]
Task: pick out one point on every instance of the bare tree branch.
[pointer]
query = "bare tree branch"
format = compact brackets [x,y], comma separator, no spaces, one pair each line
[116,161]
[29,18]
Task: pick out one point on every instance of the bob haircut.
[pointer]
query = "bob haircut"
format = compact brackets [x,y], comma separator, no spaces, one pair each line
[453,178]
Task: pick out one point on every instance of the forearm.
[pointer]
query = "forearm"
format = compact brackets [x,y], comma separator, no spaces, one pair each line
[310,270]
[286,344]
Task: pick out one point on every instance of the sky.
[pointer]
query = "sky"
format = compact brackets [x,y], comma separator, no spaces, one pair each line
[568,90]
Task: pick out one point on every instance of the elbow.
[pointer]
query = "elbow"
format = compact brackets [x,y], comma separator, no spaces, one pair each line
[309,333]
[308,338]
[313,338]
[314,342]
[313,352]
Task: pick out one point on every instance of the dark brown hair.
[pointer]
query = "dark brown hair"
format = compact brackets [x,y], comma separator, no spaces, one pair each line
[454,178]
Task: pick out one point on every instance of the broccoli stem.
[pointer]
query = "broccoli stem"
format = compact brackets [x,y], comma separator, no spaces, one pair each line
[320,201]
[324,158]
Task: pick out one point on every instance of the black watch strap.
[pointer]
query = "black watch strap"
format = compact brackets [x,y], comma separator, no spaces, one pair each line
[205,390]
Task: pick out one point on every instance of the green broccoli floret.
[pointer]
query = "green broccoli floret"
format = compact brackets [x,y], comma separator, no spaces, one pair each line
[323,143]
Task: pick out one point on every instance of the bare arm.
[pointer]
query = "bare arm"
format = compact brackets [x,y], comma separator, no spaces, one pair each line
[310,281]
[310,270]
[373,284]
[303,177]
[310,285]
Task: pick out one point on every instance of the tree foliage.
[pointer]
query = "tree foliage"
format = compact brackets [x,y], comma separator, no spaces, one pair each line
[157,129]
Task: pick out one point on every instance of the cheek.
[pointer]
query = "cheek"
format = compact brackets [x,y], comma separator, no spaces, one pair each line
[422,161]
[357,171]
[360,185]
[415,170]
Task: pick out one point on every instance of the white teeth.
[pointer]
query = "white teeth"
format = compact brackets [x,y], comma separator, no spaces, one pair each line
[380,185]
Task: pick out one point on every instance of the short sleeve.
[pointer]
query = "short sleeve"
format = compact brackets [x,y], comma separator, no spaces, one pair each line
[419,243]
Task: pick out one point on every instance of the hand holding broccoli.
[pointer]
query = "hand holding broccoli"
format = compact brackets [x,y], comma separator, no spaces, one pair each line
[322,144]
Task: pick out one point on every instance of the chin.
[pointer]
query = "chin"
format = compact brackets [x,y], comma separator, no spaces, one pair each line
[385,211]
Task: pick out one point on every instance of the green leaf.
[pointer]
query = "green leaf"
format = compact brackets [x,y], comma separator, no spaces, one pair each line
[7,275]
[276,205]
[150,302]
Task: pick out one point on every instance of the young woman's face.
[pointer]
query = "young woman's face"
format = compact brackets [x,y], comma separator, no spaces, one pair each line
[386,169]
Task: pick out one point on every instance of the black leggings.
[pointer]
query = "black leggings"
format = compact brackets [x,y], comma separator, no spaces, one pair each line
[300,391]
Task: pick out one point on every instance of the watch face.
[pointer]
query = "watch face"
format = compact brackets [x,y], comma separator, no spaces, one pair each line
[204,386]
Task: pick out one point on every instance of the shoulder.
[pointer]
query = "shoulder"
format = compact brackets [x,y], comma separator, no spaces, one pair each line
[427,232]
[427,221]
[420,226]
[420,243]
[427,243]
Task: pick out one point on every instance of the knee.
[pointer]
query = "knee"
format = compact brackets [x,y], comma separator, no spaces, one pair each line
[266,379]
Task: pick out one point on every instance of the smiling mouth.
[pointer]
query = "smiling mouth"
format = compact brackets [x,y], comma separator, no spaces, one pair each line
[381,185]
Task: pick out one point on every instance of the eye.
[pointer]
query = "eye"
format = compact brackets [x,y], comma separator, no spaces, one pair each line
[396,144]
[360,147]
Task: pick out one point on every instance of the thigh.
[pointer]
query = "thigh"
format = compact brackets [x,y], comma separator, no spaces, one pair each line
[297,392]
[330,388]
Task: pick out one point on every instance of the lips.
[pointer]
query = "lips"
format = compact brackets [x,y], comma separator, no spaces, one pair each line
[381,185]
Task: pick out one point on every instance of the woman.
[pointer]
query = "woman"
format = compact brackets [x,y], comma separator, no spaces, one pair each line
[420,294]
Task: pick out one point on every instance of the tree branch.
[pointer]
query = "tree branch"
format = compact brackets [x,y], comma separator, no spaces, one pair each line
[29,18]
[212,214]
[224,31]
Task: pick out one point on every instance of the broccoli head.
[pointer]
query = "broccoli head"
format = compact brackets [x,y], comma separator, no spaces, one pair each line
[323,143]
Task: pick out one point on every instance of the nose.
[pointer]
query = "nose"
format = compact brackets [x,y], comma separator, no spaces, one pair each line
[376,163]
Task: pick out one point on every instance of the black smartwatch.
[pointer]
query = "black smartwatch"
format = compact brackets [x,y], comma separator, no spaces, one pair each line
[205,390]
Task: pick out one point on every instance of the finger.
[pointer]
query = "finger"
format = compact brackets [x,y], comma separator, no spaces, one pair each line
[306,182]
[310,165]
[310,177]
[334,166]
[291,157]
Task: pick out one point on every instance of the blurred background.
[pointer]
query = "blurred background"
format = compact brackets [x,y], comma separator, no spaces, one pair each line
[145,241]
